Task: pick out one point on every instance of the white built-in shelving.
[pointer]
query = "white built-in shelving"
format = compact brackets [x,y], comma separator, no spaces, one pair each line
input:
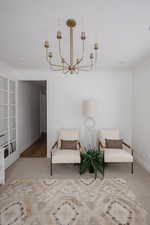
[8,119]
[2,166]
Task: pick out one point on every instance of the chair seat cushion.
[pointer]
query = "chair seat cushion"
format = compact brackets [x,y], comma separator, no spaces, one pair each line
[117,155]
[66,156]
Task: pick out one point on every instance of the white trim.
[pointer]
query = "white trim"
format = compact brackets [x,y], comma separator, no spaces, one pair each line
[2,166]
[12,156]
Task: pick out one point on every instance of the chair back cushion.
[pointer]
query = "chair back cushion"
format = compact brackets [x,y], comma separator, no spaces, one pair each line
[111,143]
[109,134]
[73,145]
[68,135]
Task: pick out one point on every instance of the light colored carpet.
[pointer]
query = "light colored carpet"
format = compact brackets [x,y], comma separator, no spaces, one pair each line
[80,201]
[37,168]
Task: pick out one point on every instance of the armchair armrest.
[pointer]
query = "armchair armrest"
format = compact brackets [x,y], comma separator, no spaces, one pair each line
[128,146]
[54,146]
[101,145]
[82,150]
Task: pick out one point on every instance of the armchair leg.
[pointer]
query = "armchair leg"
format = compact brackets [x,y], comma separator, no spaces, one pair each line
[132,167]
[79,168]
[103,170]
[103,165]
[51,170]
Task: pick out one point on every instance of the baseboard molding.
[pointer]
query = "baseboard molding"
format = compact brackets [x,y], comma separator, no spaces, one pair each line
[29,145]
[143,161]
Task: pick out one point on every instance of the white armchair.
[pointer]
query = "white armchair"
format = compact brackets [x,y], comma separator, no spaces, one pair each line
[67,148]
[113,154]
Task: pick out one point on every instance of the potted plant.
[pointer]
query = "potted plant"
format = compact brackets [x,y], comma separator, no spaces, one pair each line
[92,160]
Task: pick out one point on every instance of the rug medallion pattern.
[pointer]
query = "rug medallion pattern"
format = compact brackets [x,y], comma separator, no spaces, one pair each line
[69,202]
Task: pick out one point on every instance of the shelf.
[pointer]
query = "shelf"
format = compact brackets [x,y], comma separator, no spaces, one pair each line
[8,119]
[4,145]
[4,90]
[13,140]
[4,132]
[7,143]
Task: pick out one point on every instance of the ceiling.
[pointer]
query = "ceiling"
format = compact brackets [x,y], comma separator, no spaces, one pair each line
[120,27]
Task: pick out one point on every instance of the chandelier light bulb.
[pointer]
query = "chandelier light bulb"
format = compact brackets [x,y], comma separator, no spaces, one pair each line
[50,55]
[59,36]
[96,47]
[91,56]
[46,44]
[78,61]
[83,37]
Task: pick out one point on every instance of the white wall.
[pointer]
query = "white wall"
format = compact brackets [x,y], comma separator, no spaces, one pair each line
[141,113]
[7,71]
[28,114]
[112,91]
[43,113]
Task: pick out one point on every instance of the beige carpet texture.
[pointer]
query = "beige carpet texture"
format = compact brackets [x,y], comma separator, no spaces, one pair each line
[81,201]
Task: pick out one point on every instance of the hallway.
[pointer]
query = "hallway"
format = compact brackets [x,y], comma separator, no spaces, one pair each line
[38,149]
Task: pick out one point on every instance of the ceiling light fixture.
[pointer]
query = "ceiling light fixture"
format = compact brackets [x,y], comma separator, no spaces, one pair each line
[74,65]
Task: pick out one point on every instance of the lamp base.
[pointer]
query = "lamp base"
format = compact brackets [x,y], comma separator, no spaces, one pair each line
[90,123]
[90,132]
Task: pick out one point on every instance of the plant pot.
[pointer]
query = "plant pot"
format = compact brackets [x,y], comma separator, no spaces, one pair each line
[91,170]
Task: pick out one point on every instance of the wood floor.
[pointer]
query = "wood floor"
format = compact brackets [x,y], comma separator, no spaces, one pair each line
[38,149]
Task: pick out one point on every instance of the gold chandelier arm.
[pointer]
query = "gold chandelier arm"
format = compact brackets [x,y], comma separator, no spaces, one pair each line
[55,69]
[60,54]
[95,58]
[87,67]
[66,72]
[90,67]
[71,46]
[52,64]
[83,52]
[57,65]
[77,71]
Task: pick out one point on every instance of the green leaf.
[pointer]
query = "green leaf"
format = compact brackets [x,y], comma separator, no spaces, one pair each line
[94,158]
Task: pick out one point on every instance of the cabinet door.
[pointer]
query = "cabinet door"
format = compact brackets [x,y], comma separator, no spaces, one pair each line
[8,120]
[2,167]
[3,111]
[11,124]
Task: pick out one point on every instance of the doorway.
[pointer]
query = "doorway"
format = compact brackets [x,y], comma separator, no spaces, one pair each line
[32,118]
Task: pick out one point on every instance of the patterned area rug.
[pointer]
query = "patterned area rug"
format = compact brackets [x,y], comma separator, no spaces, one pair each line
[69,202]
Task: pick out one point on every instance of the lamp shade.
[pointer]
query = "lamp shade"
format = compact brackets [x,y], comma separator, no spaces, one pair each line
[89,108]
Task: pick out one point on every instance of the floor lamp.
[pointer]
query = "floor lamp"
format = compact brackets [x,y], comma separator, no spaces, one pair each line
[89,108]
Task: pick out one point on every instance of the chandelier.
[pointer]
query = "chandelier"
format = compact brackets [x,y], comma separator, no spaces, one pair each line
[74,65]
